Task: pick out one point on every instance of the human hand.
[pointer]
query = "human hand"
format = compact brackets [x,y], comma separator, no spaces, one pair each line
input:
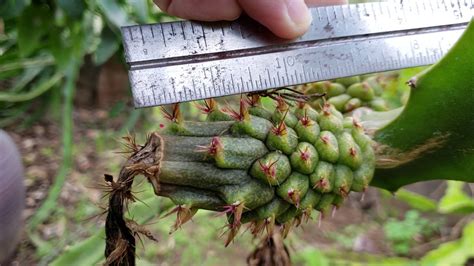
[285,18]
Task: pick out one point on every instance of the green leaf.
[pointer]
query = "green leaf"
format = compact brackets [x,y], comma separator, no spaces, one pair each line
[438,113]
[33,25]
[74,9]
[140,9]
[453,253]
[12,8]
[108,46]
[415,200]
[114,13]
[456,200]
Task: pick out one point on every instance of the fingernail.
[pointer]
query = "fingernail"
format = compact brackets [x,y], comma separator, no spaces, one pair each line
[298,12]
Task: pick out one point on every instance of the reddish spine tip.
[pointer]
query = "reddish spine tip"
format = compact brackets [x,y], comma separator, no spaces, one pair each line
[325,139]
[213,148]
[268,169]
[304,155]
[352,151]
[282,106]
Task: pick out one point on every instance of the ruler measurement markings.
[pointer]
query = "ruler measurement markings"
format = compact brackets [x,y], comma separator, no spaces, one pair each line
[387,53]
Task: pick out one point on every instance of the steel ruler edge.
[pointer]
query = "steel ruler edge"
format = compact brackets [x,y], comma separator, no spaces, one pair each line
[187,60]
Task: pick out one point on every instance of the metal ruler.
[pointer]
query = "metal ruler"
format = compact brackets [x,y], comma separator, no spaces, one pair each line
[188,60]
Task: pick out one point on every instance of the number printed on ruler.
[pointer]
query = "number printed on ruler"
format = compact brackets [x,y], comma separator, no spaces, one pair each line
[182,61]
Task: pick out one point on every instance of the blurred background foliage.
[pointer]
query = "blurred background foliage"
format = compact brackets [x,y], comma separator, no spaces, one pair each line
[60,56]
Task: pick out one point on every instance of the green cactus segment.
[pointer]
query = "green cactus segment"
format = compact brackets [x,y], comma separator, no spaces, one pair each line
[273,168]
[294,188]
[350,153]
[193,174]
[322,179]
[198,129]
[330,121]
[191,197]
[379,105]
[362,177]
[352,104]
[362,91]
[274,208]
[327,147]
[288,215]
[343,180]
[289,118]
[303,110]
[245,193]
[310,200]
[307,129]
[266,168]
[348,81]
[236,153]
[338,201]
[253,126]
[282,138]
[340,101]
[305,158]
[325,202]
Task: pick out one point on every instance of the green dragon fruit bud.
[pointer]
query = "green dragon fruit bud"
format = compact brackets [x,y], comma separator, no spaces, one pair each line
[322,179]
[340,101]
[235,153]
[375,84]
[329,121]
[307,130]
[305,158]
[378,104]
[282,138]
[348,81]
[352,104]
[304,110]
[294,188]
[343,180]
[325,202]
[273,168]
[282,113]
[257,171]
[327,147]
[349,151]
[362,91]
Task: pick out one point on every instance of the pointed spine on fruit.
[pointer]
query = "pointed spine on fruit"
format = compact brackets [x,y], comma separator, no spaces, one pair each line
[210,107]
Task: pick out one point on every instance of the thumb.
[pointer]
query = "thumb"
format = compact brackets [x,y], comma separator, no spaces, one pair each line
[286,18]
